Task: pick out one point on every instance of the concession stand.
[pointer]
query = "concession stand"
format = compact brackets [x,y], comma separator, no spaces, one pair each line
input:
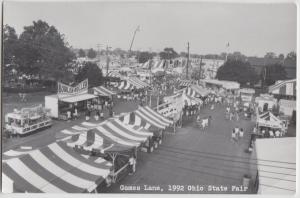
[27,120]
[267,122]
[265,102]
[68,99]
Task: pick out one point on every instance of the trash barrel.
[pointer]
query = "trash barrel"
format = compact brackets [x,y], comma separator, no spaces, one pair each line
[246,180]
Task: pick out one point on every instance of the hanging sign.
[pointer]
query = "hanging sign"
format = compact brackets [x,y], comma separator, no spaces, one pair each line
[63,89]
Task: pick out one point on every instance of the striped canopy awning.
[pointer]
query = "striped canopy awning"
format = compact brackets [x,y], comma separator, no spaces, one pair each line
[137,83]
[135,121]
[186,83]
[151,118]
[102,91]
[115,74]
[267,119]
[109,136]
[146,118]
[55,168]
[131,83]
[125,85]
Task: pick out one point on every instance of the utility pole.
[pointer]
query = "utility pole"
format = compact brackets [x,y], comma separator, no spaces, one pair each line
[98,47]
[200,68]
[107,60]
[188,60]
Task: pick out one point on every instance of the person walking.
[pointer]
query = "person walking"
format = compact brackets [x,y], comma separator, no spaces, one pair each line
[87,115]
[241,133]
[69,115]
[97,115]
[233,136]
[237,116]
[75,114]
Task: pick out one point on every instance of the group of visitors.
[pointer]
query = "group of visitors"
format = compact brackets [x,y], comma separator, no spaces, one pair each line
[237,134]
[266,132]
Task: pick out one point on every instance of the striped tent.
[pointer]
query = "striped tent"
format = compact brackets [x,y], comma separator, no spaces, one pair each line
[151,118]
[102,91]
[115,74]
[158,66]
[55,168]
[194,91]
[146,118]
[145,65]
[136,122]
[132,83]
[125,85]
[110,136]
[137,83]
[186,83]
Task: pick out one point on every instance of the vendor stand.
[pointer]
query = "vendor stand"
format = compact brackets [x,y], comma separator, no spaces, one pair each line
[27,120]
[70,100]
[268,122]
[265,102]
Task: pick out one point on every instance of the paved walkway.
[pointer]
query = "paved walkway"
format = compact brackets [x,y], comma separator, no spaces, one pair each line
[192,156]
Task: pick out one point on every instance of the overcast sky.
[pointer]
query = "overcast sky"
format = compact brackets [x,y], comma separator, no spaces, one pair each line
[252,29]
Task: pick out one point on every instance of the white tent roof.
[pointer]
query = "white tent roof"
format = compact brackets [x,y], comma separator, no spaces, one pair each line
[77,98]
[276,165]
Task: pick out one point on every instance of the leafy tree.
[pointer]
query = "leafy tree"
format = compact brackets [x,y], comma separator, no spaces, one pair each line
[237,70]
[10,44]
[281,56]
[168,53]
[91,53]
[92,72]
[273,73]
[144,57]
[81,53]
[42,51]
[270,55]
[291,56]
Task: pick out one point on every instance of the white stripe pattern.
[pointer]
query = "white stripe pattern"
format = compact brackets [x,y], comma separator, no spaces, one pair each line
[116,139]
[34,179]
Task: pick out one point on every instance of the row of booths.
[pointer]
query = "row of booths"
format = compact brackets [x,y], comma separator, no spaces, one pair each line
[89,155]
[82,98]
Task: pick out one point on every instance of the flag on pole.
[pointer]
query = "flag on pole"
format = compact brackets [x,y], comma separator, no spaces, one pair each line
[227,44]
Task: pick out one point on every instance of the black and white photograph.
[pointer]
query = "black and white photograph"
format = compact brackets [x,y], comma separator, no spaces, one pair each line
[161,97]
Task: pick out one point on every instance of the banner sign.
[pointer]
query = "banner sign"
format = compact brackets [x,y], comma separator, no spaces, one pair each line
[82,87]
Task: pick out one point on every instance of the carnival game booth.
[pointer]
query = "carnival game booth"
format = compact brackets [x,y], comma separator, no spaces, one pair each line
[267,122]
[105,96]
[265,102]
[114,141]
[27,120]
[69,99]
[55,168]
